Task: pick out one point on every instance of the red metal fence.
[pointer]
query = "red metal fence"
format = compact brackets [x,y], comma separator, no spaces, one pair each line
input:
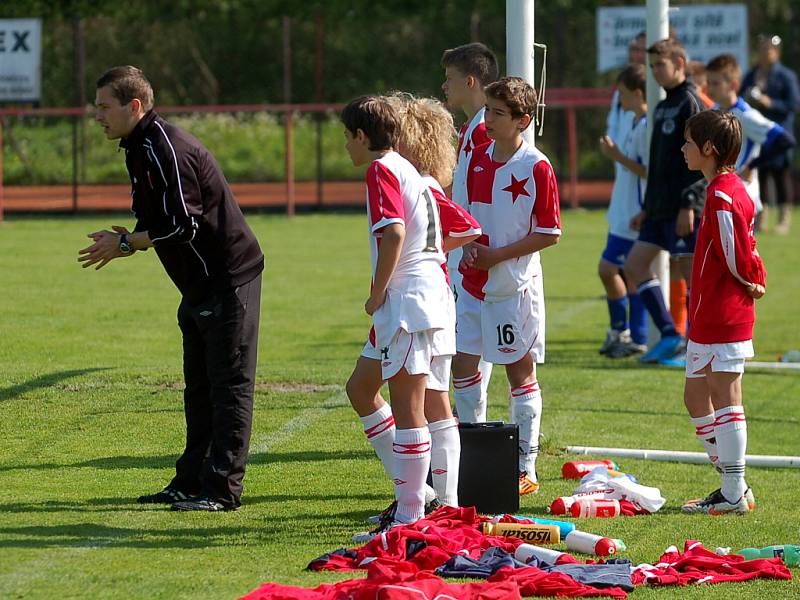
[569,100]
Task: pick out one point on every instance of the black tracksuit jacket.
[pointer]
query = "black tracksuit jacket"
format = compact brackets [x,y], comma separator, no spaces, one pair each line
[667,173]
[180,197]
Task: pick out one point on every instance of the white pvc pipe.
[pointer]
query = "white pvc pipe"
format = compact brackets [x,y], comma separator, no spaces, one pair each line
[772,365]
[752,460]
[519,46]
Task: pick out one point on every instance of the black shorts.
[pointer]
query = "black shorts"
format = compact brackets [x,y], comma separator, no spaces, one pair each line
[661,233]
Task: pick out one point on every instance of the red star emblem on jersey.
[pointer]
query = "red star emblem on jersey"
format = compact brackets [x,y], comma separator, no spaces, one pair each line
[517,188]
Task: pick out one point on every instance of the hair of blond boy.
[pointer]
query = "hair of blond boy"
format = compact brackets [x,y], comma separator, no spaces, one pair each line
[727,66]
[516,93]
[473,59]
[668,48]
[427,135]
[126,83]
[724,131]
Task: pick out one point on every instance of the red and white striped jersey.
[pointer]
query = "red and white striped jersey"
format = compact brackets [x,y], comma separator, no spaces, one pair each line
[510,200]
[725,263]
[418,293]
[471,135]
[456,221]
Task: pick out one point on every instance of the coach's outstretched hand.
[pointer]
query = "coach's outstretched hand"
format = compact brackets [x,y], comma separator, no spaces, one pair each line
[104,249]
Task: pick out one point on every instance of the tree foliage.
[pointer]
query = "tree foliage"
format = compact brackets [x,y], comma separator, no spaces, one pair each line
[231,51]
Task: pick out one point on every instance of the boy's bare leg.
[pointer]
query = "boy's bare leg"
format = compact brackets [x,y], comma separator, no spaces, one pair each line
[613,282]
[364,391]
[638,271]
[445,446]
[697,398]
[412,444]
[526,412]
[467,381]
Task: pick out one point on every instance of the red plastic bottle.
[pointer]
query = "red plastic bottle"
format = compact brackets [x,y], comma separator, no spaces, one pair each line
[563,504]
[575,469]
[595,507]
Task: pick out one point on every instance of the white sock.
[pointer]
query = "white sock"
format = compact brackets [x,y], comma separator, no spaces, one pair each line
[379,429]
[730,429]
[485,369]
[704,430]
[526,411]
[445,457]
[467,392]
[412,455]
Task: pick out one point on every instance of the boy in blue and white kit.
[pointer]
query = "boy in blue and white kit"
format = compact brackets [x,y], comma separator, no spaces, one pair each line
[762,139]
[626,335]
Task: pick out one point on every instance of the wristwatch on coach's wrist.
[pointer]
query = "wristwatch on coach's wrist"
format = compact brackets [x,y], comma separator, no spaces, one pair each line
[125,245]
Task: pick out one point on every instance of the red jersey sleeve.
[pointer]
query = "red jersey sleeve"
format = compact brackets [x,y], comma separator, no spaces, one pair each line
[384,197]
[456,222]
[732,240]
[546,216]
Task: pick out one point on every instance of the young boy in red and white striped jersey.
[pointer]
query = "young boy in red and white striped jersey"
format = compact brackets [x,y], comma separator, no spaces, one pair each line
[513,194]
[727,277]
[425,139]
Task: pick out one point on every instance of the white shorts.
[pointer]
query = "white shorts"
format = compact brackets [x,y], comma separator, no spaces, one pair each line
[723,358]
[502,332]
[417,352]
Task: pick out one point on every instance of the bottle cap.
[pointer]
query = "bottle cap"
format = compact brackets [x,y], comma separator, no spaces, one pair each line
[558,507]
[605,547]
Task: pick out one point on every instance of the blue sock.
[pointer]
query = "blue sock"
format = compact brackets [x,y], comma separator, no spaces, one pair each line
[638,319]
[653,299]
[618,313]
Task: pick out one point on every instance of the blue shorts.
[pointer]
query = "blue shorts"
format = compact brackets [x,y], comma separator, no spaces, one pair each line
[617,249]
[661,233]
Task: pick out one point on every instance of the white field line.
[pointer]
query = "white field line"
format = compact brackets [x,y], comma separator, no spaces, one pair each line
[267,441]
[17,583]
[565,316]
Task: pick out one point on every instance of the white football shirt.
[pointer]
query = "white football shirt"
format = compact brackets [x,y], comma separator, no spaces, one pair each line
[510,200]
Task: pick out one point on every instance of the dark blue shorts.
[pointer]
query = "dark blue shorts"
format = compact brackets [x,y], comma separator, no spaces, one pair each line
[617,249]
[661,233]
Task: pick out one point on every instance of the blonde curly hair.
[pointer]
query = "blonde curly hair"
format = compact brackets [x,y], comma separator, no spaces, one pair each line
[427,135]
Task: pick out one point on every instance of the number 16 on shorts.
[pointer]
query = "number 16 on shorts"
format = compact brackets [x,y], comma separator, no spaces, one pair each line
[502,331]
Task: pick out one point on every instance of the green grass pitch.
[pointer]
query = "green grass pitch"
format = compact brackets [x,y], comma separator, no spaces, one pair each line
[91,416]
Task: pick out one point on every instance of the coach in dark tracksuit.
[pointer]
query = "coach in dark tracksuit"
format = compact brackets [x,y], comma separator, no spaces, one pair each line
[186,211]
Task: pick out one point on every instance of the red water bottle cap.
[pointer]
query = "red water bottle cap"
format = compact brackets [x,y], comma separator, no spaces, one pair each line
[559,505]
[605,547]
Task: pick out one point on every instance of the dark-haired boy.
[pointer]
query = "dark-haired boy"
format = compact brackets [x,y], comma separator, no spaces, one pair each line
[468,69]
[725,284]
[626,335]
[513,194]
[667,219]
[409,302]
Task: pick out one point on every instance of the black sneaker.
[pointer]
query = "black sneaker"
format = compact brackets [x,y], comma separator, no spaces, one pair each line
[201,503]
[166,496]
[381,516]
[388,512]
[432,506]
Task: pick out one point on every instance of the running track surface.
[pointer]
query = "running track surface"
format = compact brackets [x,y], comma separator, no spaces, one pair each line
[342,194]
